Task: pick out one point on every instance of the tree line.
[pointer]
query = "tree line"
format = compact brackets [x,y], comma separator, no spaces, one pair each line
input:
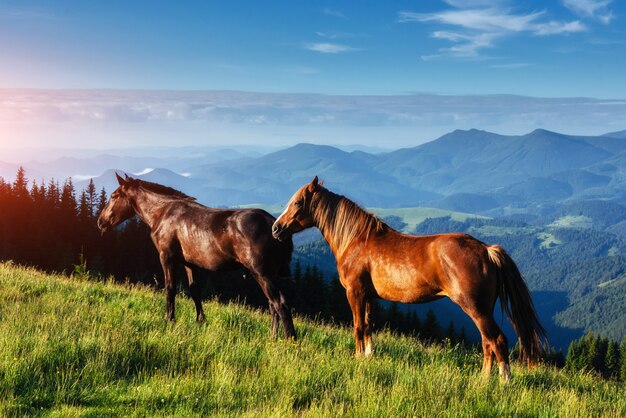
[598,354]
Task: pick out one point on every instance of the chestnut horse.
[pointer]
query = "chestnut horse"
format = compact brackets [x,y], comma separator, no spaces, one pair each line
[185,232]
[375,261]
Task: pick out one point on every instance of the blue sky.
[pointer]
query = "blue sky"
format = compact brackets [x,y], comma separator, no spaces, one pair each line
[452,56]
[562,48]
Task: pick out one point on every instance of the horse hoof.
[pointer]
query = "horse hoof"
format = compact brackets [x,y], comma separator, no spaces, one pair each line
[505,372]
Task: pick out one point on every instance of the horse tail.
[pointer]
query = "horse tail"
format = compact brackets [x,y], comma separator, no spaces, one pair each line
[515,300]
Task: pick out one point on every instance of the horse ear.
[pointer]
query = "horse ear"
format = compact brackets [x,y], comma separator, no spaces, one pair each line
[313,184]
[120,180]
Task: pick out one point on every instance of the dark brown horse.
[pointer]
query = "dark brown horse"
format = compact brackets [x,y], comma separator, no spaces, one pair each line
[185,232]
[375,261]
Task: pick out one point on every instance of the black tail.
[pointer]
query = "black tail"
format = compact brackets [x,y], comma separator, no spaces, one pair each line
[515,300]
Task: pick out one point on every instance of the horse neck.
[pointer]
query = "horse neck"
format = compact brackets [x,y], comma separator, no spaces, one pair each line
[148,205]
[324,209]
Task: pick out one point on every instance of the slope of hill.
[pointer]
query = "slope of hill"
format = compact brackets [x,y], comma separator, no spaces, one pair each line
[72,347]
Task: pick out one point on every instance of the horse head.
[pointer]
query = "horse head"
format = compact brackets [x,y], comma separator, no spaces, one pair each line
[298,213]
[118,208]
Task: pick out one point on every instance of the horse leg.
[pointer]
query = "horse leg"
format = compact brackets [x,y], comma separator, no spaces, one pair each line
[170,286]
[277,304]
[357,304]
[275,319]
[368,328]
[196,293]
[494,343]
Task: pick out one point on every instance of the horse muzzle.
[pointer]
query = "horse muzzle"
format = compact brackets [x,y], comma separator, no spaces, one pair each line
[279,231]
[103,226]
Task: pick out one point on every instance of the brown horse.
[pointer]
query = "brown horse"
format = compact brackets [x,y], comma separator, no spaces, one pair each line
[375,261]
[185,232]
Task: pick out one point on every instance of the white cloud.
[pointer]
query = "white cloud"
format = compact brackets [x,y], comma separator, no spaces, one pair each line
[329,48]
[478,28]
[558,28]
[477,19]
[595,9]
[472,4]
[511,66]
[334,13]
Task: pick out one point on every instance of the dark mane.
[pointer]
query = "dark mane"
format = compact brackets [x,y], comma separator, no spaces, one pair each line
[162,190]
[344,218]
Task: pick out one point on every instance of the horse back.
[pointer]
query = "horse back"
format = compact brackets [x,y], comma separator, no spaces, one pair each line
[218,239]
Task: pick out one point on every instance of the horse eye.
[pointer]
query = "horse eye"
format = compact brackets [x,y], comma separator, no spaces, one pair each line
[298,203]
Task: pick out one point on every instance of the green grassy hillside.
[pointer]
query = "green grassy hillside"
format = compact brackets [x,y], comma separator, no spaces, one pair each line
[72,347]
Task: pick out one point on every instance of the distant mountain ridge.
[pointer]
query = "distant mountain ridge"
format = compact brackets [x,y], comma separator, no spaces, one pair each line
[470,171]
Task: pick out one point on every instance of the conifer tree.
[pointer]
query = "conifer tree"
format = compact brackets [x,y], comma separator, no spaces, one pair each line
[451,333]
[20,185]
[574,360]
[91,198]
[394,321]
[84,209]
[102,200]
[415,323]
[622,355]
[463,336]
[612,360]
[430,327]
[598,355]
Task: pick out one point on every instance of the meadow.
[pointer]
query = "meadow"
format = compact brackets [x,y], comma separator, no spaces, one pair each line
[73,346]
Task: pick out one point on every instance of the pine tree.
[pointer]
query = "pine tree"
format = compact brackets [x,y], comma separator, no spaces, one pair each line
[451,333]
[297,271]
[612,360]
[463,336]
[415,323]
[84,209]
[91,197]
[20,185]
[102,200]
[68,198]
[622,355]
[53,194]
[598,355]
[574,360]
[430,327]
[338,303]
[393,317]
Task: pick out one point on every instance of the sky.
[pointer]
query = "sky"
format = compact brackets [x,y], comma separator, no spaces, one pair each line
[447,52]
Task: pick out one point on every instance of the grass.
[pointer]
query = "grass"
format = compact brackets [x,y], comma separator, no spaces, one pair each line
[73,347]
[573,221]
[548,240]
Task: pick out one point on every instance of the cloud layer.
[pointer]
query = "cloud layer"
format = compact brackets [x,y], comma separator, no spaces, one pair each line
[120,117]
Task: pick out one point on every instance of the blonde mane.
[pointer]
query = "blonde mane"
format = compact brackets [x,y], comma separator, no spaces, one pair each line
[342,219]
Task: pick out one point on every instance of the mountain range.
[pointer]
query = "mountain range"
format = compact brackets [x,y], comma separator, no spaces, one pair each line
[469,171]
